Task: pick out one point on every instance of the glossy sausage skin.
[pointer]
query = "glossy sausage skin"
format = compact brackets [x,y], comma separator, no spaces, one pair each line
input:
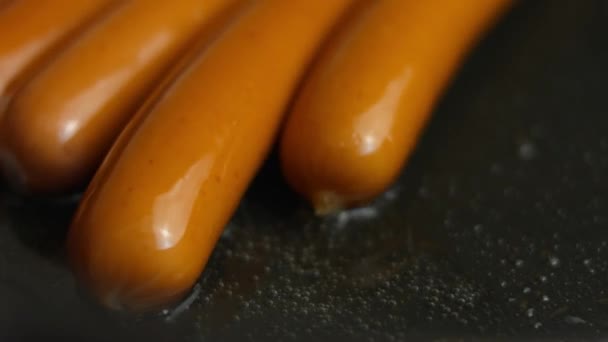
[156,207]
[365,102]
[31,28]
[59,126]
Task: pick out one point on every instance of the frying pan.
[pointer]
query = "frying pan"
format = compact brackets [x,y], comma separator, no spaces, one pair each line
[498,227]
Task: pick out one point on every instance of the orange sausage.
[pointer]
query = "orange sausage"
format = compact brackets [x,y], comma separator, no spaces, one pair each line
[365,102]
[60,125]
[31,28]
[4,3]
[157,205]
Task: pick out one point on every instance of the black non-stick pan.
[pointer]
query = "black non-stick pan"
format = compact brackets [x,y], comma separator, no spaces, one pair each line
[497,228]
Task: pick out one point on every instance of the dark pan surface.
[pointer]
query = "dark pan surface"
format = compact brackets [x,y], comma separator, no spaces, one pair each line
[498,227]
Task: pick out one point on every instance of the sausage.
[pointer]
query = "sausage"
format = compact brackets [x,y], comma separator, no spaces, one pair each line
[59,126]
[156,207]
[365,101]
[31,28]
[4,3]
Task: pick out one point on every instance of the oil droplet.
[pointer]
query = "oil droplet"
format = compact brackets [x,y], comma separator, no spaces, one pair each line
[478,228]
[530,312]
[554,261]
[527,151]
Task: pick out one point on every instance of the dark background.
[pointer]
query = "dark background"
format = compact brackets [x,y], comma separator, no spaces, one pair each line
[498,227]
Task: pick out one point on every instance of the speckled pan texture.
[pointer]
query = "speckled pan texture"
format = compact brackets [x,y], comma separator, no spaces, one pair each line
[497,228]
